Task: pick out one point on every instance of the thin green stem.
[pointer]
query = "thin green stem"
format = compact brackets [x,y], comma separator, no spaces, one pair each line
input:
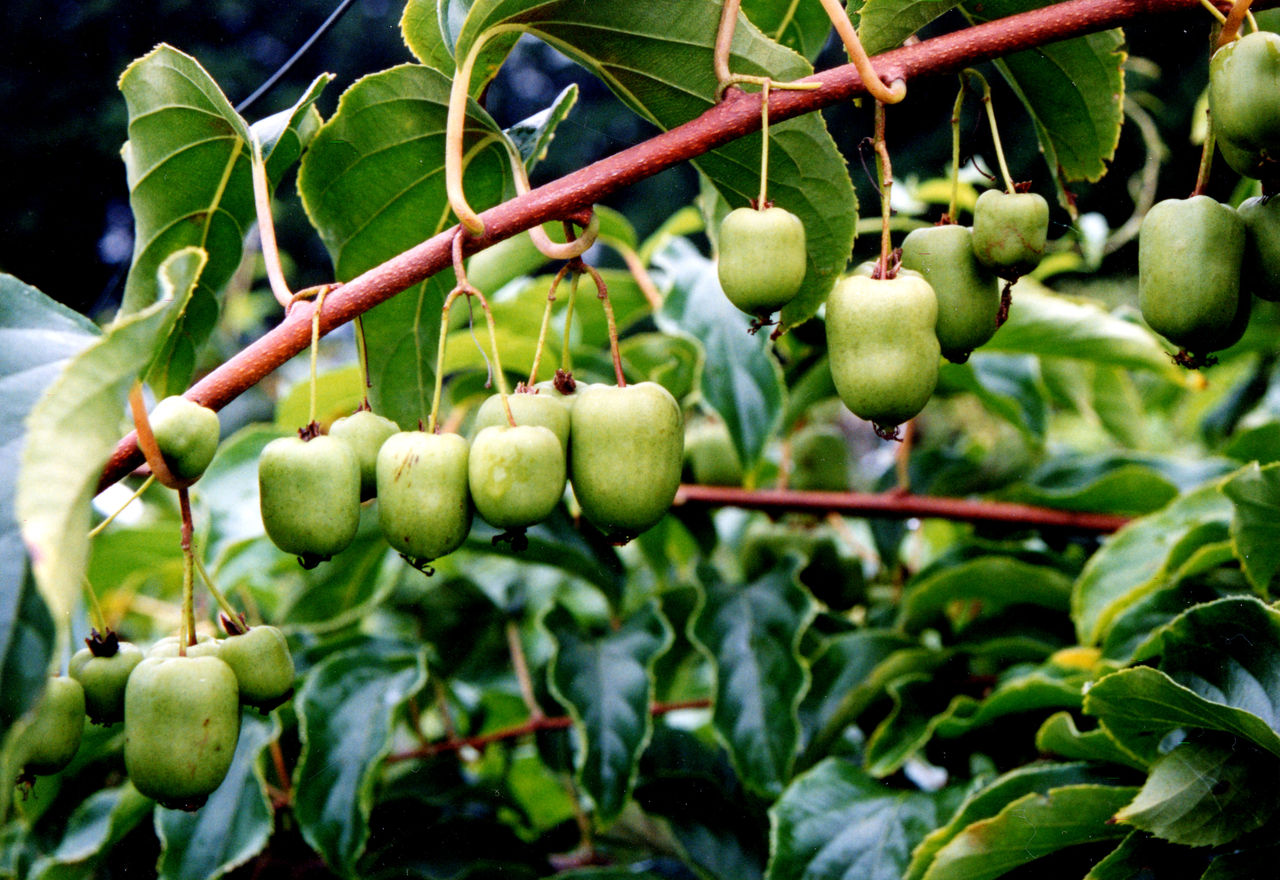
[362,359]
[763,201]
[1213,10]
[566,357]
[954,206]
[444,338]
[602,293]
[97,530]
[218,595]
[995,129]
[886,185]
[188,581]
[546,323]
[521,667]
[315,349]
[96,615]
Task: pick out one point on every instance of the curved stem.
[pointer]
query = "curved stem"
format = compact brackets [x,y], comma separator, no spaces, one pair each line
[602,293]
[995,129]
[552,250]
[954,206]
[1231,24]
[266,226]
[362,359]
[97,530]
[315,350]
[886,185]
[724,41]
[891,94]
[444,339]
[218,595]
[1213,10]
[1206,159]
[96,615]
[546,323]
[147,440]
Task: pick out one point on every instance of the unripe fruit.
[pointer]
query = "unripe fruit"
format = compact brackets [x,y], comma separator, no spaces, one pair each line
[424,508]
[1189,260]
[516,474]
[967,291]
[309,491]
[713,459]
[262,664]
[365,432]
[820,459]
[1261,271]
[882,345]
[104,679]
[1010,231]
[1244,79]
[181,724]
[533,407]
[51,736]
[626,448]
[187,434]
[205,646]
[762,259]
[563,388]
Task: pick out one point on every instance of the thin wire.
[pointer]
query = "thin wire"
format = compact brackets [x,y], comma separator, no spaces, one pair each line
[284,68]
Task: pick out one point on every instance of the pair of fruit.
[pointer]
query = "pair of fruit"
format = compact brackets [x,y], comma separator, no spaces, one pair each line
[1244,78]
[762,259]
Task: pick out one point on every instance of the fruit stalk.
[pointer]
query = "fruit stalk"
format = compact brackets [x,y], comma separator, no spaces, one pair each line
[885,168]
[188,580]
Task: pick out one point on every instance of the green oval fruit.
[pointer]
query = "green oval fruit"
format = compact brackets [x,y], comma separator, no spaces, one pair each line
[181,724]
[1244,79]
[205,646]
[309,493]
[563,388]
[626,449]
[262,664]
[532,407]
[424,507]
[365,432]
[104,679]
[516,474]
[710,453]
[1190,253]
[53,727]
[820,459]
[1010,231]
[882,345]
[187,434]
[1261,268]
[762,259]
[967,291]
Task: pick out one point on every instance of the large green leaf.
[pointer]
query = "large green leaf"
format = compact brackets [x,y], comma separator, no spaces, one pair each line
[837,823]
[1143,558]
[74,427]
[430,29]
[1059,736]
[796,24]
[234,825]
[1141,855]
[660,65]
[1126,483]
[752,634]
[993,582]
[884,24]
[345,712]
[1255,526]
[1008,386]
[284,136]
[745,387]
[373,185]
[1203,793]
[606,683]
[94,828]
[37,338]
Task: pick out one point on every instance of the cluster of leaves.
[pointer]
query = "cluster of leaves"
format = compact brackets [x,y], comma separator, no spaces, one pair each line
[878,700]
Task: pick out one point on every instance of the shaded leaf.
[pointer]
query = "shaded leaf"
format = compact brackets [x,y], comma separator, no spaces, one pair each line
[884,24]
[533,136]
[1136,631]
[1008,386]
[94,828]
[1126,483]
[1255,525]
[1140,854]
[285,135]
[1060,737]
[752,634]
[800,26]
[993,582]
[607,685]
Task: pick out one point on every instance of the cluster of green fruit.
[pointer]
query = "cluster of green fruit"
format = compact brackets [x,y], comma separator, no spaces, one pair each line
[620,448]
[181,711]
[1200,263]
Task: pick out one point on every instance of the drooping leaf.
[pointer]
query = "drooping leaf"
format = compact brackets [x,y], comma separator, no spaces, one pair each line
[1125,483]
[1203,793]
[1245,864]
[884,24]
[1008,386]
[803,27]
[1136,631]
[430,30]
[660,65]
[234,825]
[1255,525]
[745,387]
[752,634]
[345,711]
[533,136]
[373,185]
[607,685]
[73,428]
[1140,854]
[837,823]
[98,824]
[993,582]
[1142,557]
[1060,737]
[285,135]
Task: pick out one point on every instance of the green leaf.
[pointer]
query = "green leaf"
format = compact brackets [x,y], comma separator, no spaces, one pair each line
[345,713]
[284,136]
[188,167]
[234,825]
[29,643]
[1137,629]
[533,136]
[606,683]
[1140,855]
[884,24]
[1255,525]
[335,596]
[986,803]
[1126,483]
[746,386]
[1143,557]
[96,826]
[1034,825]
[1203,793]
[800,26]
[994,582]
[1246,864]
[373,185]
[835,822]
[430,30]
[752,634]
[660,65]
[74,427]
[1008,386]
[1060,737]
[1074,91]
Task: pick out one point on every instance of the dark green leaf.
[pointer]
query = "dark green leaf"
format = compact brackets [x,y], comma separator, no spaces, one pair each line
[752,634]
[1136,630]
[993,582]
[372,183]
[94,828]
[1060,737]
[884,24]
[797,25]
[345,711]
[745,387]
[533,136]
[1247,864]
[1255,525]
[1008,386]
[234,825]
[835,823]
[607,685]
[430,29]
[1140,856]
[28,647]
[285,135]
[1203,793]
[1126,483]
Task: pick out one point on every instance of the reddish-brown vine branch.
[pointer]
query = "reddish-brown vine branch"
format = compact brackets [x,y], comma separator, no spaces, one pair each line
[898,505]
[533,725]
[737,116]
